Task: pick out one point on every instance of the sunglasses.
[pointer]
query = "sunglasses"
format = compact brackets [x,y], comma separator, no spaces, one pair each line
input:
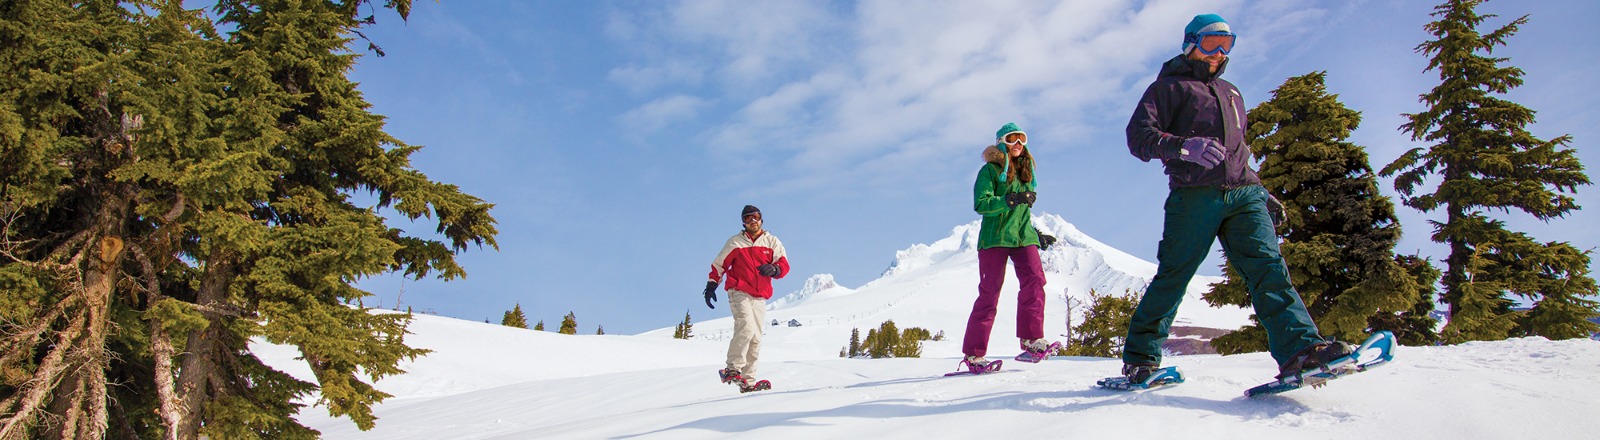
[1015,137]
[1211,43]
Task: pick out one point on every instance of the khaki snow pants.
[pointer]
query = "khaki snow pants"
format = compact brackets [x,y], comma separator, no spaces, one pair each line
[745,348]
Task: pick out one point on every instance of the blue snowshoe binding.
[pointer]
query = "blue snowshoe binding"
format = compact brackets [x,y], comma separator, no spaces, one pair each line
[1142,377]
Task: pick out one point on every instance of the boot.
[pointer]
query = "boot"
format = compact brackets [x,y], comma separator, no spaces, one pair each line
[1314,356]
[730,375]
[1139,373]
[1040,345]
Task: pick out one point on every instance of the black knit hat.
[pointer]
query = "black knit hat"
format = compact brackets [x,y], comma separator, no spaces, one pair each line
[749,209]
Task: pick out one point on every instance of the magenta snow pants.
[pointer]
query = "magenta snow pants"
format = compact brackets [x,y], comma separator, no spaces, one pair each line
[1030,299]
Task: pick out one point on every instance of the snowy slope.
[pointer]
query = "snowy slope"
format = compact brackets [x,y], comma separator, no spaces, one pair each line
[486,381]
[558,386]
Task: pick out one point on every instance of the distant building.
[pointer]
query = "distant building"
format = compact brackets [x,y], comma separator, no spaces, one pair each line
[794,323]
[774,323]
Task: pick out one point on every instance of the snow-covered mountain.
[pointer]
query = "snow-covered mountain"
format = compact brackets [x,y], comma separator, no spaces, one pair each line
[933,286]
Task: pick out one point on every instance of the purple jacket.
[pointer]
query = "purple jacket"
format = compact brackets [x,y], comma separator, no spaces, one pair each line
[1187,101]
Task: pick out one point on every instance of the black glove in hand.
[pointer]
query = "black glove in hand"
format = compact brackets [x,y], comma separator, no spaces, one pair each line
[1045,240]
[711,293]
[1021,198]
[768,270]
[1275,210]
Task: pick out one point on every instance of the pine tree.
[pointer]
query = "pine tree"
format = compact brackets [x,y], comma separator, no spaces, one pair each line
[515,318]
[205,176]
[888,338]
[569,324]
[869,342]
[1105,325]
[1339,232]
[908,348]
[539,326]
[855,342]
[1414,326]
[1484,159]
[685,329]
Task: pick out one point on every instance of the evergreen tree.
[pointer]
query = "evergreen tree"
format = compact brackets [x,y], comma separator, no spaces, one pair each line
[569,324]
[869,342]
[539,326]
[685,329]
[1414,326]
[1483,159]
[204,177]
[1104,327]
[888,339]
[515,318]
[1339,232]
[855,342]
[916,334]
[907,347]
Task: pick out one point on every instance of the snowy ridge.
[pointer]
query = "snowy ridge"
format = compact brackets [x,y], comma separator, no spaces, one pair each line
[818,286]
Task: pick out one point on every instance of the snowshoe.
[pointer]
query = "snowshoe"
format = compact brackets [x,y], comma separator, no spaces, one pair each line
[975,365]
[1037,350]
[729,375]
[1313,368]
[760,385]
[1142,377]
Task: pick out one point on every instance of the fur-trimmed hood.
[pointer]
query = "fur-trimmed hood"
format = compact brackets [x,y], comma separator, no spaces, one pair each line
[992,154]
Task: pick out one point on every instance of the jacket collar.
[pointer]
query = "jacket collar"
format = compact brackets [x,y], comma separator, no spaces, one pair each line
[1182,65]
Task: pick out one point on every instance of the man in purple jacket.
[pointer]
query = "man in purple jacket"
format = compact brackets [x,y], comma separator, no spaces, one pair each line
[1193,121]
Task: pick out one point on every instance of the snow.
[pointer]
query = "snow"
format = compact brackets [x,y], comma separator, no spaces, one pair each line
[486,381]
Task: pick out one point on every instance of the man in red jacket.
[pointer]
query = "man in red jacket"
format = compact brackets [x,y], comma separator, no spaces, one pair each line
[750,260]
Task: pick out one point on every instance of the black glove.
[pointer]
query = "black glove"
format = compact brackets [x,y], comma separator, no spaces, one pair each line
[768,270]
[1275,210]
[1045,240]
[1021,198]
[711,293]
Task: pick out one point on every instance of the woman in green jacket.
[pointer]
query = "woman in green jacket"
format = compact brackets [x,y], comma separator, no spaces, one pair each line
[1004,194]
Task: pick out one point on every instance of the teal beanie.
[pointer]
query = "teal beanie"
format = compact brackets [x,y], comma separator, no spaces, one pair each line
[1203,23]
[1010,127]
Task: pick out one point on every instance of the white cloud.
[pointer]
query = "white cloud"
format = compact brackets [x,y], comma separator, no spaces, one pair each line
[825,98]
[655,115]
[641,79]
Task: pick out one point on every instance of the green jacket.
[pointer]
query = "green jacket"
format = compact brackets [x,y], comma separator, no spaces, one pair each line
[1002,226]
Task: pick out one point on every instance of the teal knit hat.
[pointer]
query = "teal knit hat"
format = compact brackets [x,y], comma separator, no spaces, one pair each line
[1202,23]
[1010,127]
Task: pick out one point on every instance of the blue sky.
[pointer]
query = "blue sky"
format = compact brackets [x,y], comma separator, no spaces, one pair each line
[619,139]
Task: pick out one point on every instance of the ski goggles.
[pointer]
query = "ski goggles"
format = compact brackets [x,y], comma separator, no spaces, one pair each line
[752,219]
[1211,43]
[1014,138]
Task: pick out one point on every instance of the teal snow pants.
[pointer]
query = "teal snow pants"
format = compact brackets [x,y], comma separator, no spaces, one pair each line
[1238,216]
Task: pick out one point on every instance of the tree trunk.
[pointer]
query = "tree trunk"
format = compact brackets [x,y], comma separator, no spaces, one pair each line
[200,360]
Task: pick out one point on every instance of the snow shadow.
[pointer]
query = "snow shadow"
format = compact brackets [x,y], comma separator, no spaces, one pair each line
[1041,402]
